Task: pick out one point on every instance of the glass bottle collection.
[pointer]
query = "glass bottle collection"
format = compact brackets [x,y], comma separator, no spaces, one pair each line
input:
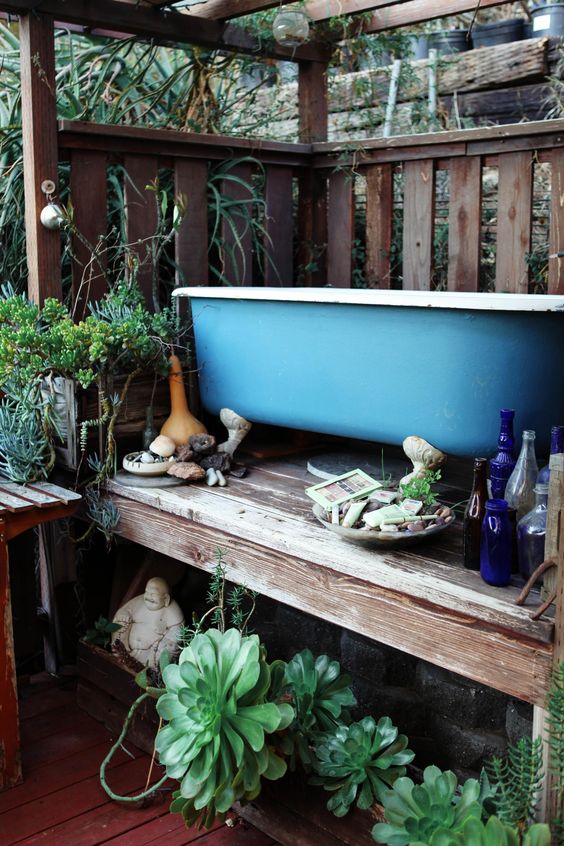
[508,523]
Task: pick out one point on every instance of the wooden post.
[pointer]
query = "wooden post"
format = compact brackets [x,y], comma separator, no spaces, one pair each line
[379,221]
[39,129]
[313,110]
[514,219]
[10,761]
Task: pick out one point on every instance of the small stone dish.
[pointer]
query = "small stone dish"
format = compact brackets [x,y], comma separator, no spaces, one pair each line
[373,539]
[158,467]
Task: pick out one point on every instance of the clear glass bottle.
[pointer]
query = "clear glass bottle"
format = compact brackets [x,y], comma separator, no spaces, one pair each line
[474,515]
[496,544]
[556,446]
[502,464]
[531,533]
[519,492]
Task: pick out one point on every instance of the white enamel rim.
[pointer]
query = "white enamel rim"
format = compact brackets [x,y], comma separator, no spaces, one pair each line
[356,296]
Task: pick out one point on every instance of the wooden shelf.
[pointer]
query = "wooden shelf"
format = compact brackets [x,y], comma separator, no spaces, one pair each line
[421,601]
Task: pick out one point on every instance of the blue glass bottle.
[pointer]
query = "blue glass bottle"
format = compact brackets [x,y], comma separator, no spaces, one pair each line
[496,544]
[556,446]
[501,466]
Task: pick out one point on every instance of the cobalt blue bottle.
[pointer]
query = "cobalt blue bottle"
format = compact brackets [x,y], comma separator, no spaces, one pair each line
[556,446]
[496,544]
[501,466]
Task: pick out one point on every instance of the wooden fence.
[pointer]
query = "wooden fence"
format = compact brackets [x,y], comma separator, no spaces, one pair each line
[325,176]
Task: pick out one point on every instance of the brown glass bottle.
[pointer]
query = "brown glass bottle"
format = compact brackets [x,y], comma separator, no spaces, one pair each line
[474,515]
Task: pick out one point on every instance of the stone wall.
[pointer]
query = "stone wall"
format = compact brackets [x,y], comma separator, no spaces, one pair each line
[451,721]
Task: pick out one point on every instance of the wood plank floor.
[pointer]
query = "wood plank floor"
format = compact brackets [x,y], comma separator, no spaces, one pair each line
[61,802]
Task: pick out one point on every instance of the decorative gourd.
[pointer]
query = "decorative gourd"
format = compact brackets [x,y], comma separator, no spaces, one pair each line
[181,423]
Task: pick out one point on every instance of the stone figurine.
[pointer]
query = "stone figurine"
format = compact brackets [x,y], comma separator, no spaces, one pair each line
[150,623]
[237,429]
[423,456]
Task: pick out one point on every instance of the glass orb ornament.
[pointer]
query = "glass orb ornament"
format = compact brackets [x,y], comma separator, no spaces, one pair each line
[290,27]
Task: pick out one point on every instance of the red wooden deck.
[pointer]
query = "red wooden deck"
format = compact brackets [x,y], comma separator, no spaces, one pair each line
[61,802]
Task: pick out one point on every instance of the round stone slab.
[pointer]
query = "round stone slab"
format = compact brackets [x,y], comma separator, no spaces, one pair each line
[330,464]
[130,480]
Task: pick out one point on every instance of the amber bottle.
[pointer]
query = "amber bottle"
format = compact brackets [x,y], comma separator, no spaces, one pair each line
[474,515]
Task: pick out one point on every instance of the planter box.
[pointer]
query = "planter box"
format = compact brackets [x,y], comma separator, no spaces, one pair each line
[381,365]
[106,691]
[74,404]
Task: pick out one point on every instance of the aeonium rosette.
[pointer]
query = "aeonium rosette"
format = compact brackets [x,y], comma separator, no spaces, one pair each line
[214,742]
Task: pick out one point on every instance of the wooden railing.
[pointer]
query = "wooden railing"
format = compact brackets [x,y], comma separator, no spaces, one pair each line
[513,152]
[348,248]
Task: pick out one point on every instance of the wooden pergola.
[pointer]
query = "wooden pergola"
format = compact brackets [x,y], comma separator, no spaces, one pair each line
[325,209]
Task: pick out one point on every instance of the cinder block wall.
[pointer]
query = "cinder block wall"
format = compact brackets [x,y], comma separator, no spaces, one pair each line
[451,721]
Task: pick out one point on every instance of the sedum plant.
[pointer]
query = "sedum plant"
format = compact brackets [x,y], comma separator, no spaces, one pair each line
[414,812]
[320,695]
[358,762]
[214,742]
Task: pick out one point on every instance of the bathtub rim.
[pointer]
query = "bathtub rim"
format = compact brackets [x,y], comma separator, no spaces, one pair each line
[462,300]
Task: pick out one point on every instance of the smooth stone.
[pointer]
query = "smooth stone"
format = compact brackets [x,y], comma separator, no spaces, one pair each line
[146,458]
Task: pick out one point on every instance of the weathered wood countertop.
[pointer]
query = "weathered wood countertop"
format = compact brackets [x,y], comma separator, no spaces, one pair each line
[420,600]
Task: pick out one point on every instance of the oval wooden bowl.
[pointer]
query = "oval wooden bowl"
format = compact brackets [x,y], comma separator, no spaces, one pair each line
[373,539]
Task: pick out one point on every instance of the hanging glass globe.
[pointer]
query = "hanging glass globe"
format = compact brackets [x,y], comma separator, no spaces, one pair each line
[290,27]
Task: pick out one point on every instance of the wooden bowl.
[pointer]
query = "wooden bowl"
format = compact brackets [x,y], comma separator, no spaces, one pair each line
[373,539]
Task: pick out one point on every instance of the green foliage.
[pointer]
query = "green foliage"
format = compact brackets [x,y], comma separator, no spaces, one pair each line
[358,762]
[555,727]
[319,694]
[414,812]
[516,781]
[27,428]
[102,632]
[493,833]
[421,488]
[217,719]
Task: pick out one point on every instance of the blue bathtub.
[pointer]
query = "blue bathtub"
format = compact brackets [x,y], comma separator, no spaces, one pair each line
[380,365]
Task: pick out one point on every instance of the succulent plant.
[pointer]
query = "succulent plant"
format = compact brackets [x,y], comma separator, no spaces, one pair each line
[359,762]
[414,812]
[217,719]
[319,694]
[493,833]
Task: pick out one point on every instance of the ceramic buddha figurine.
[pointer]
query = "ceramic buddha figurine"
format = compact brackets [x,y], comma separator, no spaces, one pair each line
[150,623]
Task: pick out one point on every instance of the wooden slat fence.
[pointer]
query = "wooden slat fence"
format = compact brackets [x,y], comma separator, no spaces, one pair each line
[331,215]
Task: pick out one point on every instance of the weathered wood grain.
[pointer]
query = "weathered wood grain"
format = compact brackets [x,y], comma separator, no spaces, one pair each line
[10,759]
[279,226]
[556,242]
[312,102]
[90,216]
[410,601]
[514,218]
[340,229]
[191,244]
[379,211]
[418,224]
[39,139]
[464,236]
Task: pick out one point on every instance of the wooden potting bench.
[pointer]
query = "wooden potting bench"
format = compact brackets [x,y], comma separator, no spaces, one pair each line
[22,507]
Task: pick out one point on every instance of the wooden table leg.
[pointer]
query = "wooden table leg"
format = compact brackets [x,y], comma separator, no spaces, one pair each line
[10,761]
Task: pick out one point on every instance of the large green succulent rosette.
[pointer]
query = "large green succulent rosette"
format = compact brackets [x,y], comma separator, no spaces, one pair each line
[214,742]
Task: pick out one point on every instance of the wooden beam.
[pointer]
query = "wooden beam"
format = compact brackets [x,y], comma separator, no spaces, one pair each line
[164,26]
[322,10]
[10,759]
[417,11]
[39,131]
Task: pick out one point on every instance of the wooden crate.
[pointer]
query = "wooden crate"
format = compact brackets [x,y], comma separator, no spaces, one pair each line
[75,404]
[106,690]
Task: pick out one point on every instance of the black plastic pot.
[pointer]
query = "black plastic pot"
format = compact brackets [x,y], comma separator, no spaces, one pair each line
[419,45]
[497,32]
[548,19]
[449,41]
